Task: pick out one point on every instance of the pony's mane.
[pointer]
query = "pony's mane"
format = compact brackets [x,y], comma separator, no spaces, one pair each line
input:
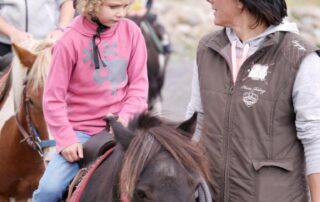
[152,135]
[39,71]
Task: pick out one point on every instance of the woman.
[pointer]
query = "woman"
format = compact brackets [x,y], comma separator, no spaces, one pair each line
[22,20]
[257,89]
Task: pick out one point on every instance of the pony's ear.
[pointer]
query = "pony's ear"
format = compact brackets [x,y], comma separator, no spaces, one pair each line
[26,57]
[189,126]
[121,133]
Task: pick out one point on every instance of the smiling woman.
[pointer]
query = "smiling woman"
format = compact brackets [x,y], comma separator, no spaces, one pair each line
[260,104]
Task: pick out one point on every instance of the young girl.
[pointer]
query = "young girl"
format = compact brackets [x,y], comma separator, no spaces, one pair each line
[98,68]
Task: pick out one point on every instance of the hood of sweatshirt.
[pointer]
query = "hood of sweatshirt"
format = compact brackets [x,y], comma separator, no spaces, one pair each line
[255,42]
[241,50]
[87,28]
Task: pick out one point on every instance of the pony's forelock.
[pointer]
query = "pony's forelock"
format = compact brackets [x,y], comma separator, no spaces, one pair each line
[39,70]
[148,141]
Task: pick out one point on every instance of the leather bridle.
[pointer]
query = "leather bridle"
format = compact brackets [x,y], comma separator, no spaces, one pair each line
[31,135]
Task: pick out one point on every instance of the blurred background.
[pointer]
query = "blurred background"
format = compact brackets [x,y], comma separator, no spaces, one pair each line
[187,21]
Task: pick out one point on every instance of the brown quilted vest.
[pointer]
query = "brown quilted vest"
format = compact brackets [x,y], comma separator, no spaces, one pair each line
[249,127]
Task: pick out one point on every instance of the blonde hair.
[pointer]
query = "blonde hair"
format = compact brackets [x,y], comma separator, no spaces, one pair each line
[39,71]
[89,7]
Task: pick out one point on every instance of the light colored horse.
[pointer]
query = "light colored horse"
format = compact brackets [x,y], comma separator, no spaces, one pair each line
[22,122]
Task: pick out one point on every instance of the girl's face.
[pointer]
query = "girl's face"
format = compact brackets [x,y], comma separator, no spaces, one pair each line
[112,11]
[226,12]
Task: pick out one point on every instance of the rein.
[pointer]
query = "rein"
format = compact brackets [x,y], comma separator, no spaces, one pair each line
[31,135]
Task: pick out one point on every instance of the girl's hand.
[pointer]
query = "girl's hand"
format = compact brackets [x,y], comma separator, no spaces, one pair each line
[122,121]
[55,35]
[73,152]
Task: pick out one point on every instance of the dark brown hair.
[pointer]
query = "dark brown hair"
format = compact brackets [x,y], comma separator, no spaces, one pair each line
[270,12]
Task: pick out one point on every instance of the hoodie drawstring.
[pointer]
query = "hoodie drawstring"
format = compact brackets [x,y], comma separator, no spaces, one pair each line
[236,63]
[96,53]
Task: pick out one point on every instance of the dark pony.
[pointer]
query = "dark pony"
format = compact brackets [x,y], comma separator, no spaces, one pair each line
[153,160]
[158,57]
[24,128]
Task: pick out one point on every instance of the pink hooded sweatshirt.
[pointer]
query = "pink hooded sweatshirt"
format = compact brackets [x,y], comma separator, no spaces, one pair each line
[78,96]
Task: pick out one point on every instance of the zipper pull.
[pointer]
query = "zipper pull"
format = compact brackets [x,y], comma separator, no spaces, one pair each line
[230,91]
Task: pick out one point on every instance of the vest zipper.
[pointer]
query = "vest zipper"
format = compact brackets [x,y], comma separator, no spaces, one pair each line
[227,161]
[230,125]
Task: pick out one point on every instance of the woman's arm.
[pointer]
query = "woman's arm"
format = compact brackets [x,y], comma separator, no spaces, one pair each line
[306,101]
[314,184]
[67,13]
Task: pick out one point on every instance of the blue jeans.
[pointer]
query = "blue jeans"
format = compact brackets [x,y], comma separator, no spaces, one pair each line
[57,177]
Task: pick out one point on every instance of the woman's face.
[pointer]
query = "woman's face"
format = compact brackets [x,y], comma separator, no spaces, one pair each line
[112,11]
[226,12]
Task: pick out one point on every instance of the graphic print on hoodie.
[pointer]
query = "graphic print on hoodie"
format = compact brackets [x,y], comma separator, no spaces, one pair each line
[112,69]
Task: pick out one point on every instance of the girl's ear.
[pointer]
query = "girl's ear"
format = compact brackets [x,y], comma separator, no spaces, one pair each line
[26,57]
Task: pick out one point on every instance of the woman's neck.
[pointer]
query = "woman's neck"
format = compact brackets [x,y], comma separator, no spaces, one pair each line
[248,29]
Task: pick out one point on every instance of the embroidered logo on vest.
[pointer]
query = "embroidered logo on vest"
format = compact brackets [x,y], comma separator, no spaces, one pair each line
[298,45]
[258,72]
[251,97]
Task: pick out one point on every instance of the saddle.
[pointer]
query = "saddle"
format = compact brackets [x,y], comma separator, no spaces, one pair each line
[97,146]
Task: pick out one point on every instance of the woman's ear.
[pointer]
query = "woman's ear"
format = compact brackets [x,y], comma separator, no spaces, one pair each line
[240,4]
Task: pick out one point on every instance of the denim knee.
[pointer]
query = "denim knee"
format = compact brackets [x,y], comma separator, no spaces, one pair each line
[48,191]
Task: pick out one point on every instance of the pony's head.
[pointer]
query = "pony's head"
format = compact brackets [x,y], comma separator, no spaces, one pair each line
[161,162]
[30,68]
[30,64]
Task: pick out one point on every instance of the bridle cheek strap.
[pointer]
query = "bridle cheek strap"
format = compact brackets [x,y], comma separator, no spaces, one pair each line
[204,191]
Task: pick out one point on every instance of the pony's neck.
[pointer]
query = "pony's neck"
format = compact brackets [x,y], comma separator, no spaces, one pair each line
[18,75]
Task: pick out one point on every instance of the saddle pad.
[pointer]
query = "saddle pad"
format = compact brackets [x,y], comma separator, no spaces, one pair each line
[77,194]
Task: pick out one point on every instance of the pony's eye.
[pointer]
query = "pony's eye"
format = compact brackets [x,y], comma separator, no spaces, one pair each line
[140,194]
[30,101]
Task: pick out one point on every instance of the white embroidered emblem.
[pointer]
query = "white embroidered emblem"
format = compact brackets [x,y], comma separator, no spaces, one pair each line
[298,45]
[251,97]
[258,72]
